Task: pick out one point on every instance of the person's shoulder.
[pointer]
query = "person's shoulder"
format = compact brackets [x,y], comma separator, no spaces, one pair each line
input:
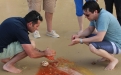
[16,22]
[104,12]
[15,18]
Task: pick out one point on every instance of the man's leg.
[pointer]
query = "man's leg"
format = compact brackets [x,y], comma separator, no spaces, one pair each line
[49,6]
[79,13]
[48,17]
[34,5]
[104,54]
[9,63]
[9,66]
[109,5]
[50,32]
[5,60]
[80,21]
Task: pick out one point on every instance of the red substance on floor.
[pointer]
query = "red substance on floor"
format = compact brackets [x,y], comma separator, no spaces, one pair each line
[52,69]
[50,57]
[49,70]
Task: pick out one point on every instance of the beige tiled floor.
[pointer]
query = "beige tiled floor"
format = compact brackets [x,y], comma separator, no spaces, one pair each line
[65,23]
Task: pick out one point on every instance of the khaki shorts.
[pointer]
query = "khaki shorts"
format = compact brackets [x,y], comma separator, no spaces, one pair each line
[48,5]
[11,50]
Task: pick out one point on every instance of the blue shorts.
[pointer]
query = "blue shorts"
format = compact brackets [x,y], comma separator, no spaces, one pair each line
[79,5]
[108,46]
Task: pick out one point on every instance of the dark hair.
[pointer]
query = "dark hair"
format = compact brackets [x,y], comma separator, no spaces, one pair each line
[33,16]
[91,6]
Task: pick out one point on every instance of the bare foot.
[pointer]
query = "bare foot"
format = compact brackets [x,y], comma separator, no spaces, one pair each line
[11,68]
[112,65]
[5,60]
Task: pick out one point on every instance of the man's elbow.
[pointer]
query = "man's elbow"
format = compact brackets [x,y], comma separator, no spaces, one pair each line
[100,39]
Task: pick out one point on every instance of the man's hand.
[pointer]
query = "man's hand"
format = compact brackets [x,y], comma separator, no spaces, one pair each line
[75,41]
[74,37]
[49,54]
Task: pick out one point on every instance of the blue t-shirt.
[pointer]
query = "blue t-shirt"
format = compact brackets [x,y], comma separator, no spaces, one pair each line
[13,29]
[107,22]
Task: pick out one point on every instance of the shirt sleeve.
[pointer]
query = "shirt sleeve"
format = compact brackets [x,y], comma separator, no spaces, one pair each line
[103,22]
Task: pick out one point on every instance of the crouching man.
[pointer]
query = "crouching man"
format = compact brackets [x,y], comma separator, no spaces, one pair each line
[15,43]
[107,40]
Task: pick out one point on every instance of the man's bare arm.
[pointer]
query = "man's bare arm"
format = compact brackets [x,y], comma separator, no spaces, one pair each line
[87,31]
[99,37]
[33,52]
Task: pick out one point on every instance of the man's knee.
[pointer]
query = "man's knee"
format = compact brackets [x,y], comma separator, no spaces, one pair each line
[92,48]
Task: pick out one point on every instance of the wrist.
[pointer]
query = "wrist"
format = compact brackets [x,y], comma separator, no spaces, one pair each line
[43,53]
[81,41]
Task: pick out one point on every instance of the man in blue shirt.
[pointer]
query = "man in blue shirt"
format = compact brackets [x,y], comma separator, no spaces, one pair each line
[15,43]
[106,40]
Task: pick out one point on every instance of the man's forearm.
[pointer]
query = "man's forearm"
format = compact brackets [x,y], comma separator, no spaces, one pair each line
[85,33]
[91,39]
[39,53]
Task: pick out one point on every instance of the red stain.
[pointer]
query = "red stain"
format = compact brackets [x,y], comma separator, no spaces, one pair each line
[52,69]
[49,70]
[50,57]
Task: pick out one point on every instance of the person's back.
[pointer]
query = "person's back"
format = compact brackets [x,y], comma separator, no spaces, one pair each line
[9,31]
